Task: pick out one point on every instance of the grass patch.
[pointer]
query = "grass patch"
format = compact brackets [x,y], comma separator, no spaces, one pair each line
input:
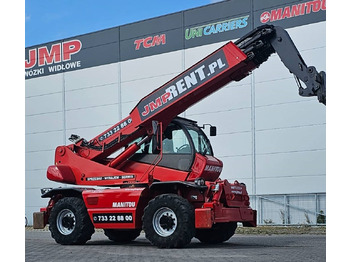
[280,230]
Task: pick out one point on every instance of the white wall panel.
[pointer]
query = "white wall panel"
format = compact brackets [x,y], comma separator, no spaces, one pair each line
[227,122]
[289,185]
[44,122]
[272,69]
[33,199]
[278,92]
[87,132]
[134,91]
[92,116]
[43,141]
[94,76]
[92,96]
[291,139]
[237,167]
[39,160]
[195,54]
[231,97]
[309,36]
[315,57]
[44,104]
[236,144]
[148,67]
[307,112]
[36,179]
[127,107]
[293,164]
[44,85]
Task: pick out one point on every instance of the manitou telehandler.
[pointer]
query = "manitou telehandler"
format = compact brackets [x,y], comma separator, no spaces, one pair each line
[163,177]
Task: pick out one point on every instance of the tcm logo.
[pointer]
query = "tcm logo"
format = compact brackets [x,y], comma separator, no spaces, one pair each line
[150,41]
[59,52]
[292,11]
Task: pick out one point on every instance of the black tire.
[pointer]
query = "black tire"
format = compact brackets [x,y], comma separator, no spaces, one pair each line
[69,222]
[122,236]
[168,221]
[219,233]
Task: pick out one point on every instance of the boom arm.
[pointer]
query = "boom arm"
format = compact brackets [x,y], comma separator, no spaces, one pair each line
[268,38]
[233,61]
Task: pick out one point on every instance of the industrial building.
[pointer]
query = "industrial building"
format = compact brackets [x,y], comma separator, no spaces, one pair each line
[269,137]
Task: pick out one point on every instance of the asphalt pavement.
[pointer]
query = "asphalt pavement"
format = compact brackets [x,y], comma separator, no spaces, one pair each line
[39,246]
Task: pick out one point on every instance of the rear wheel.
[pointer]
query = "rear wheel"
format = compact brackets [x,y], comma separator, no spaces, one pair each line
[219,233]
[168,221]
[69,222]
[122,236]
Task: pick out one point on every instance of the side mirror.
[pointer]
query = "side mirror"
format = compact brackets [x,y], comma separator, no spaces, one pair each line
[154,127]
[157,137]
[212,131]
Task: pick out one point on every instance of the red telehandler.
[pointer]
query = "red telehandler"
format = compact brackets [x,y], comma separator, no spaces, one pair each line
[163,177]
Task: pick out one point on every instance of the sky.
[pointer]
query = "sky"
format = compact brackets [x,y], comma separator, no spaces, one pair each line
[52,20]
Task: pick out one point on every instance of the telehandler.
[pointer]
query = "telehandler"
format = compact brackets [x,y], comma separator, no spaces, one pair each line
[163,177]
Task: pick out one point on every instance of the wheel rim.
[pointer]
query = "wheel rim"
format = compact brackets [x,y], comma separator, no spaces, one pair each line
[65,222]
[164,222]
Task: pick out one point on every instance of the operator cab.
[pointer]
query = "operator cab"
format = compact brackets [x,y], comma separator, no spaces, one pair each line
[182,142]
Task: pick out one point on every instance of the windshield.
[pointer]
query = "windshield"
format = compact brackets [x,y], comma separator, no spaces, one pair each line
[175,141]
[200,141]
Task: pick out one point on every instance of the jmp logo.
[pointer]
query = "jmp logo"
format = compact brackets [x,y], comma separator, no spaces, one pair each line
[182,85]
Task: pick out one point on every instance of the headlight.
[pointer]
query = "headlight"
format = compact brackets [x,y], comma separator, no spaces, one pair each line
[199,181]
[45,190]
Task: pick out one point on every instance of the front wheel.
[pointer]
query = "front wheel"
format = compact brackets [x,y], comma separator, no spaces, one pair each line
[168,221]
[69,222]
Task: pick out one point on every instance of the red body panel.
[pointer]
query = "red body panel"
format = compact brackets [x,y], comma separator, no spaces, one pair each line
[89,172]
[116,208]
[122,208]
[206,167]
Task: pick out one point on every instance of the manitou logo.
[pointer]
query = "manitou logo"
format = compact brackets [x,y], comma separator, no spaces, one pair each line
[60,52]
[123,204]
[293,11]
[150,41]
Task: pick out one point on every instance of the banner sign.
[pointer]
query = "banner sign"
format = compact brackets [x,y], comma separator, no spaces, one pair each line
[223,21]
[52,59]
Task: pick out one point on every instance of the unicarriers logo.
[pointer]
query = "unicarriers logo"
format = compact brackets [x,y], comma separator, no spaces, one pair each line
[52,59]
[217,27]
[293,11]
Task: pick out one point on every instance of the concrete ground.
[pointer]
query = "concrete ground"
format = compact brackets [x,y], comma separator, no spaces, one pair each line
[39,246]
